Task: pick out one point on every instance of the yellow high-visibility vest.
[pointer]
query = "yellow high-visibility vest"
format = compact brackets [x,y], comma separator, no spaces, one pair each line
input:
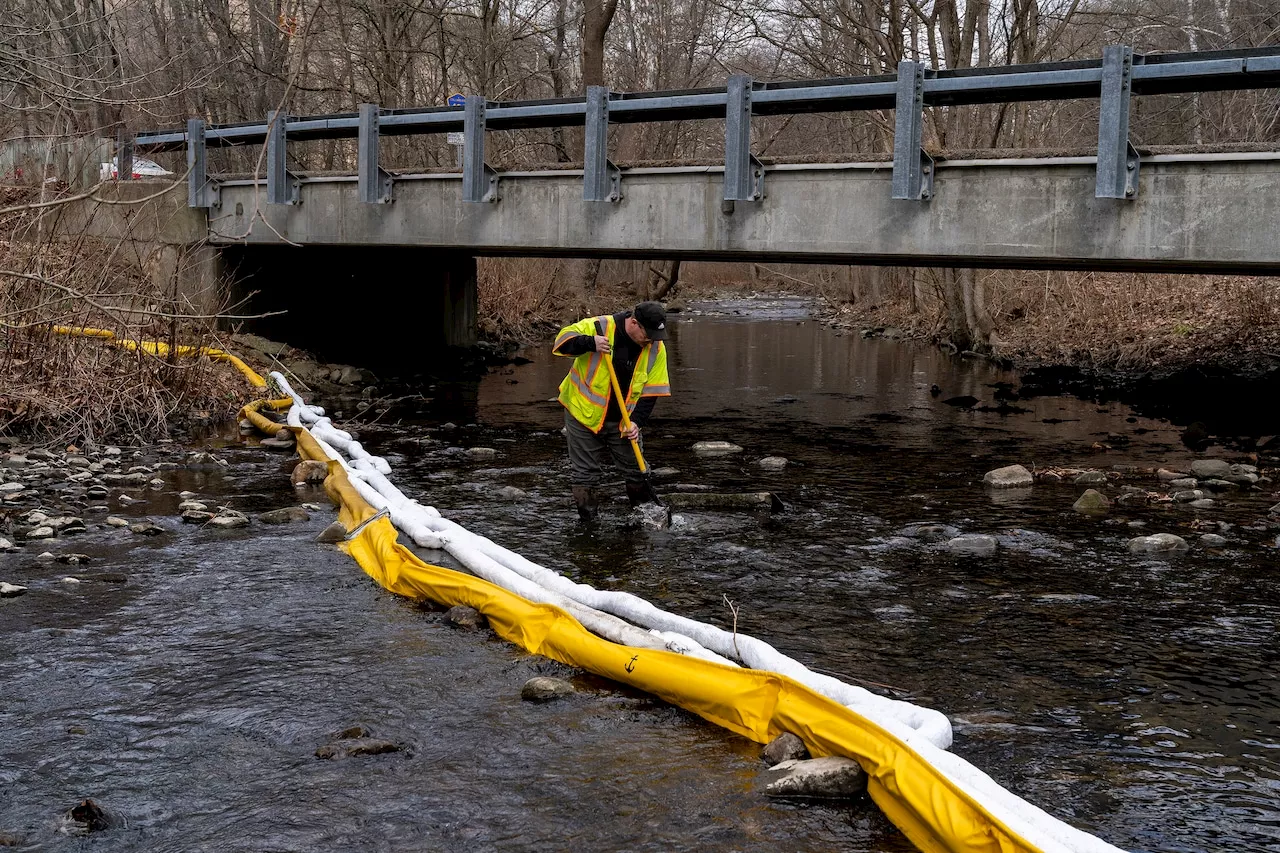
[585,391]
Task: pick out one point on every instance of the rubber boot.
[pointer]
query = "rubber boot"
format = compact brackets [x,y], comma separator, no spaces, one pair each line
[637,493]
[587,502]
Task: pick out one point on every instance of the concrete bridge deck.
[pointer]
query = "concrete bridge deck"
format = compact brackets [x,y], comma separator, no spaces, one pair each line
[1193,213]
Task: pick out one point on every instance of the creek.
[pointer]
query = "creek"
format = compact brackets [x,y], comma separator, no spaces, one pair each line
[1135,697]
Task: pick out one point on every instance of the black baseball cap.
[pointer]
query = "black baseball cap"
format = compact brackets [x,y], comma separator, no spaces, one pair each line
[653,317]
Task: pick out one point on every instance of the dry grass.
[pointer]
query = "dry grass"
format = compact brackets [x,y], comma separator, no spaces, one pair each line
[61,389]
[1110,320]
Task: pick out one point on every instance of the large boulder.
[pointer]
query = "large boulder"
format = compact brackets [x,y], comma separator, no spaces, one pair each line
[833,777]
[1158,543]
[1009,477]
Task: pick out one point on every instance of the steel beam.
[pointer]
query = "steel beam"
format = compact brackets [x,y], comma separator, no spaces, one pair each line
[743,173]
[479,181]
[282,187]
[374,182]
[601,180]
[912,167]
[1118,160]
[201,191]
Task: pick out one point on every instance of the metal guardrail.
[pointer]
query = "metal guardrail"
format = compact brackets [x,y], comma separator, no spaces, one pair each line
[1113,79]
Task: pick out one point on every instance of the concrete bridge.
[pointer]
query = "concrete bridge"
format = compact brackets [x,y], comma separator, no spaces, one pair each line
[413,238]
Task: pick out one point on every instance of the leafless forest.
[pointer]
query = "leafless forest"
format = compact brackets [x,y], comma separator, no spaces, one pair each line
[87,68]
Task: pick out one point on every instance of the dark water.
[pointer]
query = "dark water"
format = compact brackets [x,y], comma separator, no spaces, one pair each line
[1135,698]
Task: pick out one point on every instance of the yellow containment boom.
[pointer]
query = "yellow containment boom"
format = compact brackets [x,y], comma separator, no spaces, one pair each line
[939,801]
[927,804]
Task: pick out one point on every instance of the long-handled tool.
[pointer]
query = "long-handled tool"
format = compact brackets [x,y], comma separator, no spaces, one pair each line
[626,426]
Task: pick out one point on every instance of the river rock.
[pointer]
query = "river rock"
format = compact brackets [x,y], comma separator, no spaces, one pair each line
[785,747]
[1210,468]
[195,506]
[1243,479]
[466,618]
[89,816]
[716,448]
[67,525]
[1168,476]
[309,471]
[1157,543]
[282,441]
[72,559]
[481,452]
[543,688]
[11,590]
[511,493]
[12,488]
[833,777]
[332,534]
[196,516]
[45,557]
[773,463]
[1009,477]
[973,544]
[284,515]
[228,519]
[116,521]
[1092,502]
[69,579]
[1275,510]
[1187,496]
[1184,483]
[1202,503]
[6,545]
[146,528]
[357,747]
[1213,540]
[42,532]
[1091,478]
[930,531]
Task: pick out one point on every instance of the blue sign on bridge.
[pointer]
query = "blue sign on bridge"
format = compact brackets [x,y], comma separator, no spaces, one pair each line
[457,101]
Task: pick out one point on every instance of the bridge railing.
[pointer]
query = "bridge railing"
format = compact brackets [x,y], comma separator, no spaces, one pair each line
[1112,80]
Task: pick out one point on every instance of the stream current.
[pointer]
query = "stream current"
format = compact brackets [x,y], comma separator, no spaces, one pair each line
[1134,697]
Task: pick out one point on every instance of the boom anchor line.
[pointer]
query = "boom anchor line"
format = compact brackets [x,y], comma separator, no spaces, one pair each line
[940,801]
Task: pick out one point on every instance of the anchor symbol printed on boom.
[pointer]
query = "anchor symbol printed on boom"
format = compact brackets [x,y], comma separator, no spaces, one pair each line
[631,664]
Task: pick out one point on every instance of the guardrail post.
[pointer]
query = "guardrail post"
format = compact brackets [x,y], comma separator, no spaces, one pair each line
[373,182]
[479,181]
[201,190]
[743,173]
[282,186]
[912,167]
[1118,160]
[601,180]
[124,155]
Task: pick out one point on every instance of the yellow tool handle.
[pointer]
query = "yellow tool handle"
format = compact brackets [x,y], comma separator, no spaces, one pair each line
[622,407]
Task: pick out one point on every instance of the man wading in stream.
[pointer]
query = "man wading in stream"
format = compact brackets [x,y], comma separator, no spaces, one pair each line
[592,419]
